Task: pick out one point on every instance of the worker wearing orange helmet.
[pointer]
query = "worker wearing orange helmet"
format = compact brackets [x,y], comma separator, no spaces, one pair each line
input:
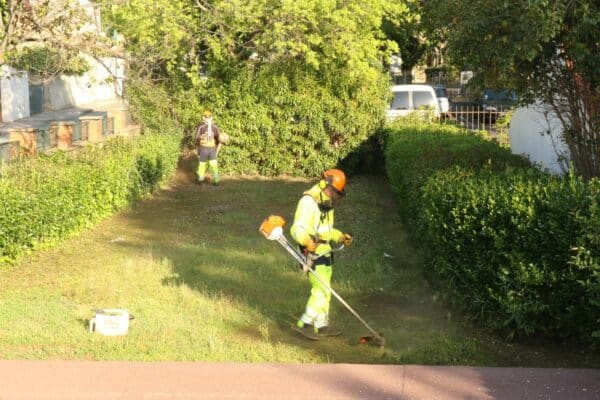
[313,230]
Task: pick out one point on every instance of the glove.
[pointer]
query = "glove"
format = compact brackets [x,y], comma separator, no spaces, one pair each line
[347,239]
[310,245]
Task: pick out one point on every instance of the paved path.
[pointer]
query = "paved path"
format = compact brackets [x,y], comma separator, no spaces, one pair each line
[43,380]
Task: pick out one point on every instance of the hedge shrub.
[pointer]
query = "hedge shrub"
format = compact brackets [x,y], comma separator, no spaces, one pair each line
[281,121]
[511,246]
[415,150]
[47,198]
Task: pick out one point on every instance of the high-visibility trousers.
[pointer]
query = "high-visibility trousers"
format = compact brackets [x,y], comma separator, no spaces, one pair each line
[317,307]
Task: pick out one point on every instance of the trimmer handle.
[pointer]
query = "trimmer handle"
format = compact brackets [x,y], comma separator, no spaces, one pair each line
[314,256]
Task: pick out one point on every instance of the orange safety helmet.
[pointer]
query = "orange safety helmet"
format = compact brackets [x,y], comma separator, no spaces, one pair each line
[336,179]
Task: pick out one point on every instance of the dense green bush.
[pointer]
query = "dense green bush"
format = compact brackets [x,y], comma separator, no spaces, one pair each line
[298,86]
[415,150]
[285,121]
[506,243]
[368,157]
[277,123]
[516,248]
[48,198]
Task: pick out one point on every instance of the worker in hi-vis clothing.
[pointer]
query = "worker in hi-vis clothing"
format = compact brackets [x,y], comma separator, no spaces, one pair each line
[313,230]
[207,144]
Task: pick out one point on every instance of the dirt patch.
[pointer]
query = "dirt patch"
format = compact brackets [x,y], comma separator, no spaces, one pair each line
[186,167]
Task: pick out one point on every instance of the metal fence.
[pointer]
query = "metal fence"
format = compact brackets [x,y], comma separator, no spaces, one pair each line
[476,118]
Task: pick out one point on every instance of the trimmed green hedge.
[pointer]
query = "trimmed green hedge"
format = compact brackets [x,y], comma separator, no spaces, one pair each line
[47,198]
[415,150]
[511,246]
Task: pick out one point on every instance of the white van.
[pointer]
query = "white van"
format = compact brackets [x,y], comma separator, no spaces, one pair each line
[410,98]
[444,101]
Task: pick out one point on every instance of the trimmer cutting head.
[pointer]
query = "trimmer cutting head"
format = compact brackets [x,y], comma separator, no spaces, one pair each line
[379,340]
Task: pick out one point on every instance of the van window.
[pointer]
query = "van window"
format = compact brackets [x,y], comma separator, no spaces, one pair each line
[400,101]
[422,99]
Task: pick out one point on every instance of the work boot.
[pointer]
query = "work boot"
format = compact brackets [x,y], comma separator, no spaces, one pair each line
[308,331]
[328,331]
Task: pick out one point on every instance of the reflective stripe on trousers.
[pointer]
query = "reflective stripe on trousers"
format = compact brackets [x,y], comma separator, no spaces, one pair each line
[317,307]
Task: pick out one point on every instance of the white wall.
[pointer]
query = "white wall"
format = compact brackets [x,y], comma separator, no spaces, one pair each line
[14,94]
[95,85]
[536,133]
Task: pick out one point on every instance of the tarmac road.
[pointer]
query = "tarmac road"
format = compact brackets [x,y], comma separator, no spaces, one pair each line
[44,380]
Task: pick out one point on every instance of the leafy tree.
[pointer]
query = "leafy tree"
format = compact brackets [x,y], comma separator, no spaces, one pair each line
[45,62]
[161,36]
[299,85]
[546,49]
[405,29]
[47,36]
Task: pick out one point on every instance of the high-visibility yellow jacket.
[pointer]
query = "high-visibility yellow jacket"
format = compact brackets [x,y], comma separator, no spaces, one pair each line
[310,221]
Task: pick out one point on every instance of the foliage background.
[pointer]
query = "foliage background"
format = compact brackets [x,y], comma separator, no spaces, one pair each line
[297,85]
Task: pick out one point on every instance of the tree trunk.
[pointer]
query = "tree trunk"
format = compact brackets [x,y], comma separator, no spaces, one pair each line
[576,102]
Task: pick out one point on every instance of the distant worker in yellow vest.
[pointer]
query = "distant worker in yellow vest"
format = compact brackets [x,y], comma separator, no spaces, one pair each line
[208,142]
[313,230]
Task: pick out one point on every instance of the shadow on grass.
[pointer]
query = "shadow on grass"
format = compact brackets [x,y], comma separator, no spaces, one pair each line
[210,237]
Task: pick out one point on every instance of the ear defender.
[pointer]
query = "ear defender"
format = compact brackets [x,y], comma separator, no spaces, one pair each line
[326,180]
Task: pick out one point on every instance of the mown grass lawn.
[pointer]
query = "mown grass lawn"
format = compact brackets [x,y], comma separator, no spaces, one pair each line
[204,285]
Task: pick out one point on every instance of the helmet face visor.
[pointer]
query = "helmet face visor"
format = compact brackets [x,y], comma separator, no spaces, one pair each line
[340,193]
[333,193]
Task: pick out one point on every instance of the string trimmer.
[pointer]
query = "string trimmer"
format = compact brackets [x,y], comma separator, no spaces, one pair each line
[272,229]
